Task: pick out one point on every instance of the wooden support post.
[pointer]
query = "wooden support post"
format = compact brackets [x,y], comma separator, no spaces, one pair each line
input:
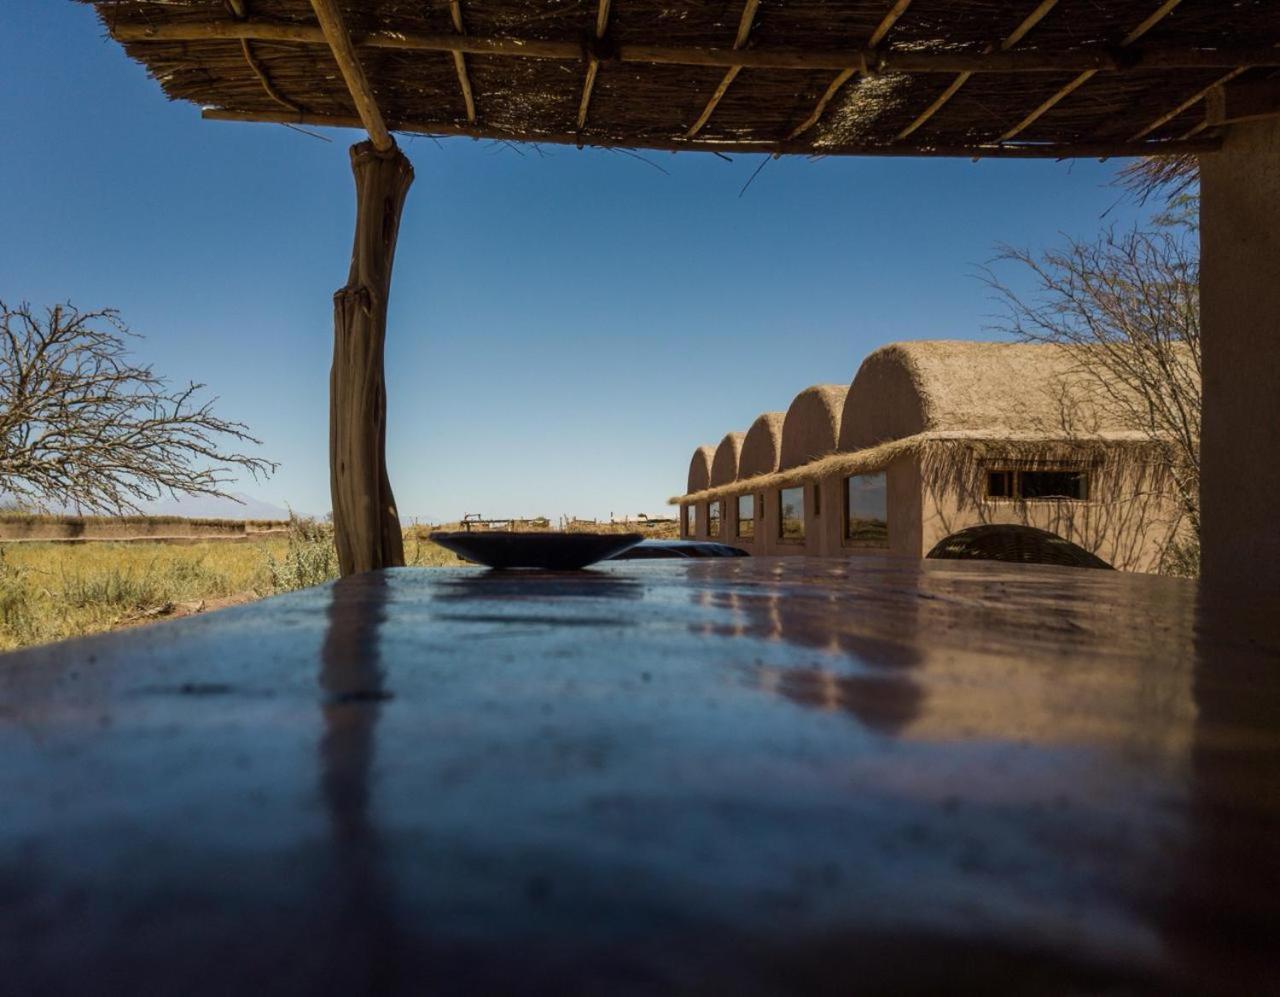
[366,524]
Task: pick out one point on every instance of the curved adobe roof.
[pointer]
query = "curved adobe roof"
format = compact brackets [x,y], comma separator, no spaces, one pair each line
[961,386]
[700,469]
[812,426]
[763,445]
[724,465]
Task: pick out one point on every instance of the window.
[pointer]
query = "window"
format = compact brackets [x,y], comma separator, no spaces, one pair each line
[746,516]
[713,519]
[791,514]
[866,522]
[690,520]
[817,501]
[1032,485]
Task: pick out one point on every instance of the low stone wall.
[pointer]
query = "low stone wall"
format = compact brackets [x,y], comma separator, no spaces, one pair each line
[132,528]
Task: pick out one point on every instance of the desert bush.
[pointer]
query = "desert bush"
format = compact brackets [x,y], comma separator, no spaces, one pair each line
[310,557]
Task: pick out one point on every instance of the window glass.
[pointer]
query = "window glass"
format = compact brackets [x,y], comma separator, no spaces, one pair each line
[1053,484]
[746,515]
[1000,484]
[791,518]
[690,520]
[866,511]
[1038,484]
[713,519]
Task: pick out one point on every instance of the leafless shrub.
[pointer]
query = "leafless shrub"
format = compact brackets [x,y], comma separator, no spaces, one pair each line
[1127,305]
[83,426]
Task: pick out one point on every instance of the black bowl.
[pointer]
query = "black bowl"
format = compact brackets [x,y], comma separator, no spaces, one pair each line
[552,551]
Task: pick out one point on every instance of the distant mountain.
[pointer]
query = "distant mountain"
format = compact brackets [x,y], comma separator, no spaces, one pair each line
[208,507]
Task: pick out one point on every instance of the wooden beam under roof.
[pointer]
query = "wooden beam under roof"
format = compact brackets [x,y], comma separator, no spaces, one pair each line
[593,63]
[1159,14]
[1028,150]
[344,52]
[1096,58]
[731,74]
[460,63]
[1021,31]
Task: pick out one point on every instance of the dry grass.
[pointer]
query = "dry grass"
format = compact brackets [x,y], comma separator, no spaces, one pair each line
[53,591]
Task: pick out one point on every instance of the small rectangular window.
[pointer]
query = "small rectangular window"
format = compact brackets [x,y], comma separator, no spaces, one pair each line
[713,519]
[1000,484]
[690,520]
[817,501]
[1033,485]
[1053,485]
[746,516]
[791,514]
[866,511]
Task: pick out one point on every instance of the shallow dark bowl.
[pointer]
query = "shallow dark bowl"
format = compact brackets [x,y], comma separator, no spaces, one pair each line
[553,551]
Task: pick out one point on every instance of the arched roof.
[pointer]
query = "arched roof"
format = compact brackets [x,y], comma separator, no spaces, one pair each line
[700,469]
[762,446]
[812,425]
[961,386]
[724,465]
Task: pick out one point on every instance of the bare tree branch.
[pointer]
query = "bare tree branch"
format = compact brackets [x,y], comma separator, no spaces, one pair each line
[82,425]
[1127,306]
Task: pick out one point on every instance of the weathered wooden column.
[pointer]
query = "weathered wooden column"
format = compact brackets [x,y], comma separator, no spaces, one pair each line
[366,524]
[1240,318]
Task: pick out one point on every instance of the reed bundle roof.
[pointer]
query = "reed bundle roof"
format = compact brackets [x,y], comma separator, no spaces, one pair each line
[763,445]
[700,468]
[928,77]
[724,465]
[947,401]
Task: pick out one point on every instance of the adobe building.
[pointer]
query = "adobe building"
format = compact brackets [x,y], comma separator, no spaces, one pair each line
[931,438]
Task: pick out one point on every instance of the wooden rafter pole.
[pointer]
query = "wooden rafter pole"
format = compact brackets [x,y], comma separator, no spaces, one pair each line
[1021,31]
[1098,58]
[460,62]
[882,30]
[344,53]
[1028,150]
[1186,105]
[593,64]
[731,74]
[1159,14]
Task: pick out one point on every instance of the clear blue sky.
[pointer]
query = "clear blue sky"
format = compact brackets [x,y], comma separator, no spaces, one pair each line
[566,326]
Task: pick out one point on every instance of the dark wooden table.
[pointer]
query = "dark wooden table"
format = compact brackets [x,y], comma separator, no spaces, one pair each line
[723,777]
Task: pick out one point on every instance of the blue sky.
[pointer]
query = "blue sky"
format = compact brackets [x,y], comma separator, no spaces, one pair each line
[566,326]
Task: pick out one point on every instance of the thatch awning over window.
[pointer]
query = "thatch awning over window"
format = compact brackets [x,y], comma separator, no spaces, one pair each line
[870,77]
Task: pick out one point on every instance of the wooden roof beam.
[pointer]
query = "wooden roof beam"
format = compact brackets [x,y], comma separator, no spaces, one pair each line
[1028,150]
[1243,102]
[460,63]
[1020,32]
[744,29]
[882,29]
[1186,105]
[1159,14]
[593,63]
[1097,58]
[344,52]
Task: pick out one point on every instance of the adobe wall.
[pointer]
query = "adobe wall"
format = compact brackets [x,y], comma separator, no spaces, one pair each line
[1127,521]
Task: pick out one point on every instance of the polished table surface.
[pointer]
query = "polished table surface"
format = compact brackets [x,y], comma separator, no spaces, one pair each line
[724,777]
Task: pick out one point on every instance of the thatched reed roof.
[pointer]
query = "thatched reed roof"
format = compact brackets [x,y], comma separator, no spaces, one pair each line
[992,77]
[700,468]
[939,398]
[939,446]
[956,385]
[763,445]
[724,465]
[812,425]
